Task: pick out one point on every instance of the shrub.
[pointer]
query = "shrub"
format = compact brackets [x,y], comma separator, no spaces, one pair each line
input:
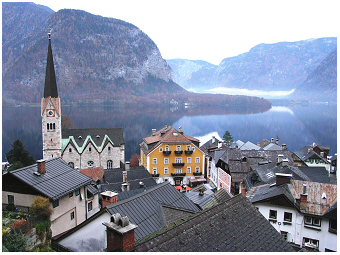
[15,242]
[41,207]
[42,248]
[42,228]
[17,223]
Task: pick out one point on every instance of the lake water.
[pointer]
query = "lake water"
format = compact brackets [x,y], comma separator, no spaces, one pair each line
[295,126]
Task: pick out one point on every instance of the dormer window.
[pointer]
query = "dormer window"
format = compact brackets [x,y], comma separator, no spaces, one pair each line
[175,133]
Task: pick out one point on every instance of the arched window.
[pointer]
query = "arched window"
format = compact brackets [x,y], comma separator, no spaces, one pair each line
[53,126]
[70,150]
[71,164]
[48,126]
[109,164]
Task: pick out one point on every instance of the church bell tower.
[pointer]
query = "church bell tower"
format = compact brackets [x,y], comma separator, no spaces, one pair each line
[50,111]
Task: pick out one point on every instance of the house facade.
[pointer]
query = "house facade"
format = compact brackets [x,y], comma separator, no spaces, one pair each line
[72,198]
[303,212]
[171,156]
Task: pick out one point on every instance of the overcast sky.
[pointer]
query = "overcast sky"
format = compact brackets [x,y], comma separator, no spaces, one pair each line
[212,30]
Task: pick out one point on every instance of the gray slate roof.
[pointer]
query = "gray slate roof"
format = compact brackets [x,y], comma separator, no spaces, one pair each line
[307,153]
[234,225]
[316,174]
[146,209]
[114,178]
[59,180]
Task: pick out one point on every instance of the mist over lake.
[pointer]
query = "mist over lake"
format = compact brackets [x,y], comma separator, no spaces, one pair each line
[295,126]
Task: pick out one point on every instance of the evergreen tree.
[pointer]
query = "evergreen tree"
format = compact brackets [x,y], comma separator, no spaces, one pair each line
[227,138]
[18,157]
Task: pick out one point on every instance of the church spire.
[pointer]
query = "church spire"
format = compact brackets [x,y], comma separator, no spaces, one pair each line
[50,89]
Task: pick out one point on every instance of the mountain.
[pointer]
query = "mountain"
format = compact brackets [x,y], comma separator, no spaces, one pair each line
[193,75]
[94,57]
[280,66]
[321,84]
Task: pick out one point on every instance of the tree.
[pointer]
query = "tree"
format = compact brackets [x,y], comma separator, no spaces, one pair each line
[41,207]
[18,157]
[134,161]
[227,138]
[66,122]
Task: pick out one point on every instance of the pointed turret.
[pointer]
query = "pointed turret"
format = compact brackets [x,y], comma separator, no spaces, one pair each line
[50,89]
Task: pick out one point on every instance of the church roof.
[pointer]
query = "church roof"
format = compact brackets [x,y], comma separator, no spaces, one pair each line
[99,137]
[50,89]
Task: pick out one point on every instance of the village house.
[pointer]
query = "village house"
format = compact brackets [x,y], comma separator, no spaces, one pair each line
[171,156]
[237,164]
[313,156]
[80,148]
[152,210]
[303,212]
[72,198]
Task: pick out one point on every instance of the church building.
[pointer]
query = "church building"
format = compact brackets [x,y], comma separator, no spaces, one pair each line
[80,148]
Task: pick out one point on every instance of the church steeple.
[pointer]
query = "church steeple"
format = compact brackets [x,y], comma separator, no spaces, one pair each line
[50,89]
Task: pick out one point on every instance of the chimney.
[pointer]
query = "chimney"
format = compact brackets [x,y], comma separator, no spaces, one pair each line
[141,185]
[283,178]
[201,192]
[180,130]
[322,154]
[279,158]
[153,132]
[124,176]
[109,198]
[219,145]
[213,139]
[303,198]
[127,165]
[284,162]
[120,234]
[284,146]
[125,186]
[277,141]
[41,166]
[272,140]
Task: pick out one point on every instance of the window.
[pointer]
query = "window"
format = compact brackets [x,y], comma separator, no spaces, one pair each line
[154,170]
[188,147]
[71,164]
[72,215]
[109,148]
[178,147]
[109,164]
[10,199]
[312,222]
[311,243]
[284,235]
[189,170]
[178,160]
[89,206]
[178,170]
[77,192]
[332,226]
[70,194]
[154,161]
[160,149]
[69,150]
[166,147]
[166,161]
[90,163]
[272,214]
[166,170]
[189,160]
[197,160]
[197,169]
[55,203]
[287,217]
[90,149]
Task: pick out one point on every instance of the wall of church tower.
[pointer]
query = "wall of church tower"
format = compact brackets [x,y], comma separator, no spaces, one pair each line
[51,132]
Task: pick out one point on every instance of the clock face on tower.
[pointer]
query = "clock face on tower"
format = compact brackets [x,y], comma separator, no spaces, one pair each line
[50,113]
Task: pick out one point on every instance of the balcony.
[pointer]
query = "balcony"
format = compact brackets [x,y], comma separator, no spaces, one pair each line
[155,175]
[177,164]
[188,152]
[178,174]
[166,153]
[197,174]
[178,152]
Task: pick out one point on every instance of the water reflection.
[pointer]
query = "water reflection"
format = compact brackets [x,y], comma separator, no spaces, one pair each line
[295,126]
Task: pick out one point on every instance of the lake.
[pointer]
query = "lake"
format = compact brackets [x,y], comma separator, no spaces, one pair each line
[295,126]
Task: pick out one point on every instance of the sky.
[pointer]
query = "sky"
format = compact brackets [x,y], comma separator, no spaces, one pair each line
[212,30]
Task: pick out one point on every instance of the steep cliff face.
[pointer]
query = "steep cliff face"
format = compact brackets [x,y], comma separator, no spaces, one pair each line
[193,75]
[94,57]
[321,84]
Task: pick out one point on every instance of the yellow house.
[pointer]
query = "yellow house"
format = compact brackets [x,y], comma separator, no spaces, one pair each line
[171,156]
